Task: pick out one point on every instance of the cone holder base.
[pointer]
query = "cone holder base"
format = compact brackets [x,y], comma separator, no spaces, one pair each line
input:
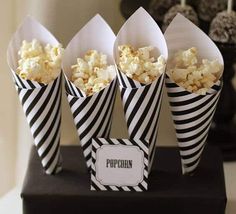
[169,190]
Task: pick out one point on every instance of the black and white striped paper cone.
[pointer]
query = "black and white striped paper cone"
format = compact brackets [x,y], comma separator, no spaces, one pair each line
[192,116]
[141,102]
[92,114]
[41,103]
[192,113]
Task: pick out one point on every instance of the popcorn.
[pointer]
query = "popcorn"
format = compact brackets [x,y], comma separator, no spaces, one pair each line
[38,63]
[139,65]
[192,74]
[92,73]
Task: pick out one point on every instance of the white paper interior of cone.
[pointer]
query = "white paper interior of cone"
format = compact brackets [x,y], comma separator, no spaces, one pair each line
[141,30]
[97,35]
[183,34]
[30,29]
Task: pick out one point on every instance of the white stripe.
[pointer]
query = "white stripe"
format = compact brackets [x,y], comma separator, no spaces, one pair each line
[190,169]
[45,110]
[140,111]
[191,105]
[54,163]
[195,149]
[50,136]
[91,117]
[101,187]
[195,113]
[133,103]
[51,151]
[48,122]
[195,131]
[192,159]
[191,124]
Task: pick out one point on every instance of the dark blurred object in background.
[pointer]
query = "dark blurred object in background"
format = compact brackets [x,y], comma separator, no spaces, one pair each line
[128,7]
[158,9]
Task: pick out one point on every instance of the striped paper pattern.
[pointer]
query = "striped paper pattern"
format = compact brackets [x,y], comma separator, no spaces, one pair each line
[192,116]
[92,115]
[42,107]
[142,144]
[142,108]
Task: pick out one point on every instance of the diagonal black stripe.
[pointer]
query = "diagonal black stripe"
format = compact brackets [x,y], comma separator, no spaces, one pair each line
[171,85]
[121,79]
[107,129]
[138,104]
[43,123]
[144,142]
[186,148]
[73,101]
[72,91]
[189,120]
[186,102]
[95,186]
[89,112]
[186,157]
[216,87]
[52,157]
[43,106]
[98,141]
[108,187]
[110,105]
[186,139]
[21,82]
[142,187]
[193,163]
[122,142]
[131,82]
[67,88]
[87,144]
[192,128]
[35,100]
[178,94]
[150,122]
[119,188]
[26,96]
[154,140]
[195,108]
[122,92]
[88,128]
[152,101]
[129,99]
[93,172]
[111,142]
[88,157]
[30,84]
[52,141]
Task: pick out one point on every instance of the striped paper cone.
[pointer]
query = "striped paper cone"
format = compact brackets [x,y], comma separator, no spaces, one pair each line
[192,113]
[92,114]
[41,103]
[141,102]
[142,108]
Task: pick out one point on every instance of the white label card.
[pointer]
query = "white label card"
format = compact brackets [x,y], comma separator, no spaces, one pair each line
[119,164]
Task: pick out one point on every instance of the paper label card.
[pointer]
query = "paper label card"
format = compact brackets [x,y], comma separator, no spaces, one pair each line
[119,164]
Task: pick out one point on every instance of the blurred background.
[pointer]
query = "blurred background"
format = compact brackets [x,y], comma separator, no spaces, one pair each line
[64,19]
